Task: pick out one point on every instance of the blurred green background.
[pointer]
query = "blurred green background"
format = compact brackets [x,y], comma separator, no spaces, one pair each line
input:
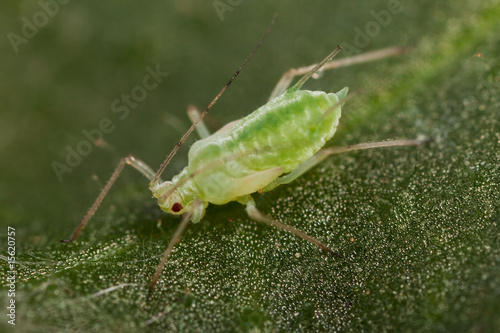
[418,226]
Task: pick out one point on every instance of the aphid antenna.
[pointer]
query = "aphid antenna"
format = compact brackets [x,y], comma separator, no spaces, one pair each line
[169,157]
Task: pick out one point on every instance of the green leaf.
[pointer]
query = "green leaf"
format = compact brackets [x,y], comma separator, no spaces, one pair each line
[418,226]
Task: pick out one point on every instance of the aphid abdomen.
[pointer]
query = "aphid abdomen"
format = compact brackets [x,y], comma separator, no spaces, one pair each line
[273,140]
[288,130]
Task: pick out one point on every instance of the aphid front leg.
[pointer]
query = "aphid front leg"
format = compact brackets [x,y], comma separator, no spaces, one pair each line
[201,128]
[288,76]
[130,160]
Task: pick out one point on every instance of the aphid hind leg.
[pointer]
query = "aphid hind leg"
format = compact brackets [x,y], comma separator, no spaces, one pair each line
[201,128]
[324,153]
[130,160]
[256,215]
[288,76]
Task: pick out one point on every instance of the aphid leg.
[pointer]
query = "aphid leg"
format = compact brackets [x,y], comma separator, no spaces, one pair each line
[175,239]
[256,215]
[130,160]
[228,126]
[202,130]
[324,153]
[194,114]
[288,76]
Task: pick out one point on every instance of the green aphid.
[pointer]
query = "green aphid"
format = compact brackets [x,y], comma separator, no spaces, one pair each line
[292,122]
[271,146]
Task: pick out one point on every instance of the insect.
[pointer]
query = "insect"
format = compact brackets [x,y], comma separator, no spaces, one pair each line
[272,146]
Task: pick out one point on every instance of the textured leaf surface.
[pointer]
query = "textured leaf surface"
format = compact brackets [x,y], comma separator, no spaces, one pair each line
[419,227]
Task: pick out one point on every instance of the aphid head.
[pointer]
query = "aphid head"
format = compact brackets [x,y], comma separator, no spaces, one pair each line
[169,199]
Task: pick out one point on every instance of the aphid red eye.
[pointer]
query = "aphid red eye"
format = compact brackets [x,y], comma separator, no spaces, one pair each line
[176,207]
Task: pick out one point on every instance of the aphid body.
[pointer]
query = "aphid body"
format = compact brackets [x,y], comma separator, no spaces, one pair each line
[273,140]
[272,146]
